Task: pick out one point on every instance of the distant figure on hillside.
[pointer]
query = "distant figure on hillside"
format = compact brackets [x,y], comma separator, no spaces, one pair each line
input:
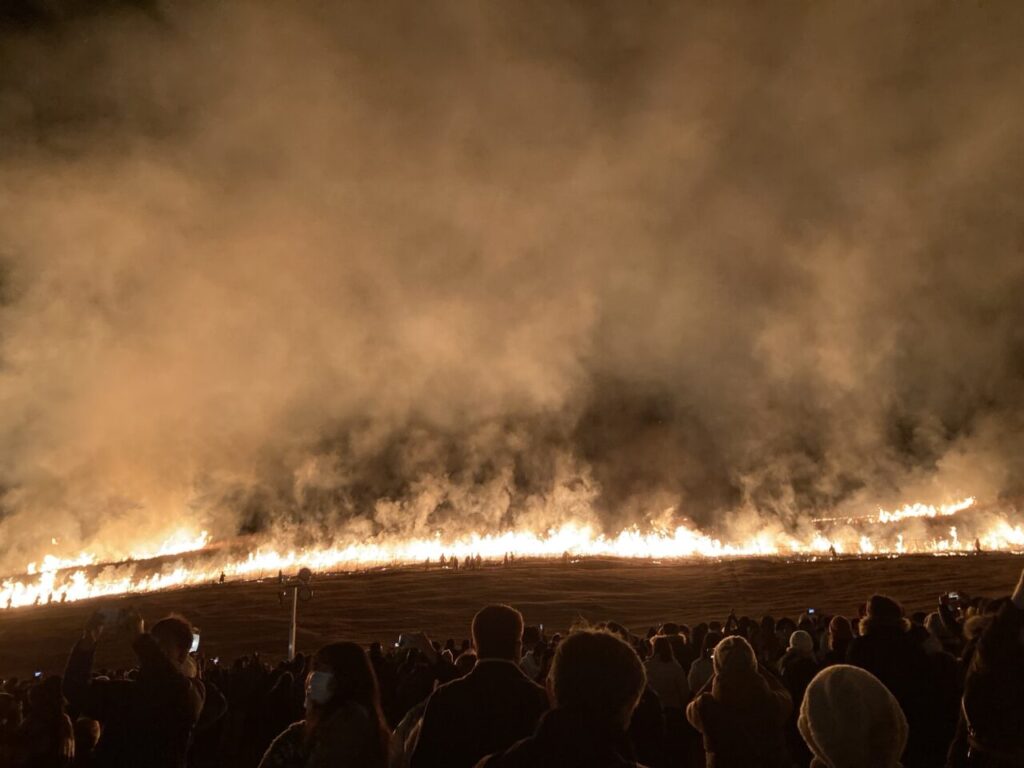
[455,563]
[222,578]
[596,681]
[491,707]
[832,551]
[977,545]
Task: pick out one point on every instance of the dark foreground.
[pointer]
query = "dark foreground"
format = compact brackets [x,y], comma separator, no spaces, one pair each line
[239,618]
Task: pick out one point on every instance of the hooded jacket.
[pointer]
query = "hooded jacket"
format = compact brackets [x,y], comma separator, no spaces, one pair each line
[743,715]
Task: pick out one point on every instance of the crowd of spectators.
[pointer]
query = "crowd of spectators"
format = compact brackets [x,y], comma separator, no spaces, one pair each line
[879,690]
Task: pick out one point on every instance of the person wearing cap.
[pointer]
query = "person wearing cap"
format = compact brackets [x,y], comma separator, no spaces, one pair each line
[850,720]
[741,712]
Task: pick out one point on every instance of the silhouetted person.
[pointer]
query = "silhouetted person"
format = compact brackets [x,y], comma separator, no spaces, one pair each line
[87,736]
[991,729]
[886,650]
[742,711]
[595,683]
[838,639]
[797,668]
[848,719]
[665,676]
[147,720]
[10,721]
[45,738]
[488,709]
[344,723]
[703,668]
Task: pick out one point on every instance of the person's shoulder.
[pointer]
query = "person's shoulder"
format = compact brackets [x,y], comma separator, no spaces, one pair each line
[453,690]
[524,753]
[285,749]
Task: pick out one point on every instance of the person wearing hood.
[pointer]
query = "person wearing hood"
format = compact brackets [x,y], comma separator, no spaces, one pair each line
[850,720]
[344,725]
[147,720]
[595,685]
[886,649]
[741,711]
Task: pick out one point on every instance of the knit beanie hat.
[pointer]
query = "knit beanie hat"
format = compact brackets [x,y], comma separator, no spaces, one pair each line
[850,720]
[734,654]
[801,641]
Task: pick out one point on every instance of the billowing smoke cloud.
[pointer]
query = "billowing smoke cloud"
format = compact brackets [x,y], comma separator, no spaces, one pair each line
[347,268]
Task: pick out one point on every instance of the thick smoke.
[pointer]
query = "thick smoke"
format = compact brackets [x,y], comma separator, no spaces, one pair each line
[345,268]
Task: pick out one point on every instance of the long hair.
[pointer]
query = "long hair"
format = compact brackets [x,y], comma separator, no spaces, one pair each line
[663,648]
[355,683]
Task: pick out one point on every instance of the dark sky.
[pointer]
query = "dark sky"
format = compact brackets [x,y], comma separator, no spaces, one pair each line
[385,267]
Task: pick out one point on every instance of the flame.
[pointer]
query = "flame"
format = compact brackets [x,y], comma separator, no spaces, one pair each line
[81,577]
[924,510]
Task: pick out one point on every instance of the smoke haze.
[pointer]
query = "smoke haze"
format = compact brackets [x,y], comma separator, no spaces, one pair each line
[347,269]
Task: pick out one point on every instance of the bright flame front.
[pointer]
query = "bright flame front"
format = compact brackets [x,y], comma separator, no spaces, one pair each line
[56,579]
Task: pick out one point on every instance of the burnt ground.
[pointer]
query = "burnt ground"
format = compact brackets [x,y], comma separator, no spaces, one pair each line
[238,618]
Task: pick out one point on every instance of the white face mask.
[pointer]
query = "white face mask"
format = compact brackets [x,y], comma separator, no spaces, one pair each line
[319,688]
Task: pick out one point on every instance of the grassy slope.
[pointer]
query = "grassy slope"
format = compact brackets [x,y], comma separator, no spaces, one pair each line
[238,618]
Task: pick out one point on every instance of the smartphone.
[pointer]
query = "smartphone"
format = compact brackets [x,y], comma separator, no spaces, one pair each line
[954,595]
[195,643]
[810,611]
[37,674]
[542,629]
[215,659]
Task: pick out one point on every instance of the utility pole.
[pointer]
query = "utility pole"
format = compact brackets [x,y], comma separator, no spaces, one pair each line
[300,589]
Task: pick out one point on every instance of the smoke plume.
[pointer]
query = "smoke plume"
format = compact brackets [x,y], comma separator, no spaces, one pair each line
[352,270]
